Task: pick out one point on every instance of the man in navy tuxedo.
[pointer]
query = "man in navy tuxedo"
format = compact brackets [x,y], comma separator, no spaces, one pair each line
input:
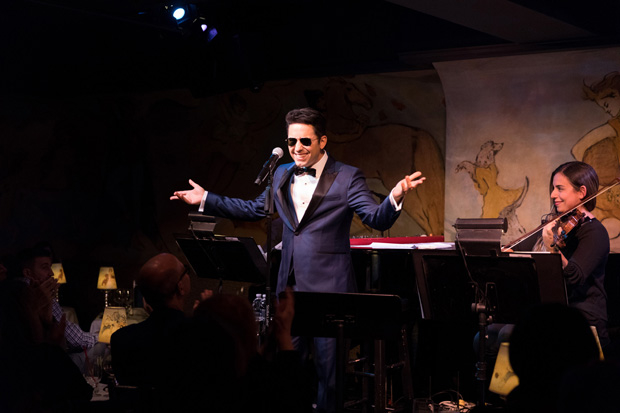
[316,197]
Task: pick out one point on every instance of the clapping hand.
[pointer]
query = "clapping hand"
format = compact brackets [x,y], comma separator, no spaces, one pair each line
[45,294]
[279,333]
[205,294]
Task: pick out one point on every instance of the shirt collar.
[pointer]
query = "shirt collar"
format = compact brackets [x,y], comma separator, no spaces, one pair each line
[320,165]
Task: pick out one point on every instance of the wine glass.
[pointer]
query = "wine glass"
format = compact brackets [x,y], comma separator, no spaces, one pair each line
[123,299]
[94,374]
[107,369]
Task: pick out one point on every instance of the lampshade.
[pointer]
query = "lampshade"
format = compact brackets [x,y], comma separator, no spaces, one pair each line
[107,279]
[59,273]
[504,379]
[113,319]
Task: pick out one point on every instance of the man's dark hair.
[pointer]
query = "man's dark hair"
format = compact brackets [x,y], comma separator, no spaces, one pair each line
[24,259]
[308,116]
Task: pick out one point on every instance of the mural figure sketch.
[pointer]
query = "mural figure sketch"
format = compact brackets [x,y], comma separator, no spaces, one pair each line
[600,147]
[241,124]
[497,202]
[382,151]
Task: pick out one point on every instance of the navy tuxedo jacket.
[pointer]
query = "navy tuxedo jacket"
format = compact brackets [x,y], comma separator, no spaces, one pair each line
[318,247]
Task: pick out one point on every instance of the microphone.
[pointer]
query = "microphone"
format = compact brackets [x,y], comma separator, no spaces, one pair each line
[276,154]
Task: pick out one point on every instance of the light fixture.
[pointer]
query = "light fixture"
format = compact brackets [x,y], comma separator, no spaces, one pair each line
[480,236]
[113,319]
[190,22]
[504,379]
[59,275]
[183,13]
[106,281]
[204,29]
[178,13]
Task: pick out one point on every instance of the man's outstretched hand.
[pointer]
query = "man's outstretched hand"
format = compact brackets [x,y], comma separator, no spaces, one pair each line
[406,185]
[190,196]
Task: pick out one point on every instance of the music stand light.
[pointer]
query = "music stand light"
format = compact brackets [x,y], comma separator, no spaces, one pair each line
[480,236]
[201,226]
[106,281]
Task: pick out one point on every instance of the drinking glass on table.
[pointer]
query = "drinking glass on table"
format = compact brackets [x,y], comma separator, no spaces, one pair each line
[123,299]
[107,369]
[94,374]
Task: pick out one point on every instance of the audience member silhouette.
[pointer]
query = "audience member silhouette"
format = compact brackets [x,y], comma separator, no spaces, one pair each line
[591,388]
[137,350]
[36,374]
[33,266]
[222,368]
[3,270]
[548,341]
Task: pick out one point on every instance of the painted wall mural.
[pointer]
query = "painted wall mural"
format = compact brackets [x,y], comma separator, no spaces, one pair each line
[497,201]
[600,147]
[384,148]
[385,124]
[93,174]
[512,120]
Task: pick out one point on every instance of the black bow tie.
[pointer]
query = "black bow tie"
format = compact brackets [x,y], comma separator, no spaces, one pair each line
[300,170]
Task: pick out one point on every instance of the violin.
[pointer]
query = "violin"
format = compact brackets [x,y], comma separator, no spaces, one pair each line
[571,218]
[565,225]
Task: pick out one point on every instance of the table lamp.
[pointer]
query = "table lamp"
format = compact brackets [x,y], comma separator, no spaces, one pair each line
[59,275]
[113,319]
[107,281]
[504,379]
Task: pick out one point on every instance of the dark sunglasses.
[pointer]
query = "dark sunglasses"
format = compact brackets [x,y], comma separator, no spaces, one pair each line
[293,141]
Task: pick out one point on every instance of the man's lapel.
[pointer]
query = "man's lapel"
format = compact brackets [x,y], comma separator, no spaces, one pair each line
[284,196]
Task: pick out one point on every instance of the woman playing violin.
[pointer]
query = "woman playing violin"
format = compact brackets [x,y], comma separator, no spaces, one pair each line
[582,241]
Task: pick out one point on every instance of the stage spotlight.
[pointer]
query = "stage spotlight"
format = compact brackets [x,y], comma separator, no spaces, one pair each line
[178,13]
[204,29]
[211,34]
[200,24]
[182,13]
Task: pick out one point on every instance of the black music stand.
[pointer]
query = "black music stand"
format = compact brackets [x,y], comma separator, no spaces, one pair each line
[510,283]
[349,315]
[229,258]
[450,291]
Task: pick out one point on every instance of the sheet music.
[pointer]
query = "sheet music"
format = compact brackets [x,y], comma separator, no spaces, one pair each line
[527,253]
[436,246]
[399,246]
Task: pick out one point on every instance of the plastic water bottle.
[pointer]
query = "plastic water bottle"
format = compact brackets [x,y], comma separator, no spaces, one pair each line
[263,306]
[257,305]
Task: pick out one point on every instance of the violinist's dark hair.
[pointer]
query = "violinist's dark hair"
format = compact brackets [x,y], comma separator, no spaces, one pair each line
[579,174]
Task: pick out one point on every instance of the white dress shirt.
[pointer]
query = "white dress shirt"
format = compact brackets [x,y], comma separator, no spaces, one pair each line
[303,187]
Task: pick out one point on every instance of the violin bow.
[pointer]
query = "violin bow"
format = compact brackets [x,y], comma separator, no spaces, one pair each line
[519,240]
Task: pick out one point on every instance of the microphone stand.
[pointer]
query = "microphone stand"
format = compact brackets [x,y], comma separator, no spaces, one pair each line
[269,209]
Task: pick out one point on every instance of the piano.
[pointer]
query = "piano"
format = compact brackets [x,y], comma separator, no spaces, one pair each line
[385,265]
